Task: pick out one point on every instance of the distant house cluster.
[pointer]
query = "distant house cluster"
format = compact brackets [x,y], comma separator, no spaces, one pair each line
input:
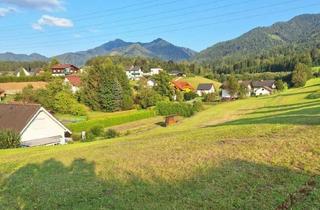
[201,90]
[30,72]
[253,88]
[136,73]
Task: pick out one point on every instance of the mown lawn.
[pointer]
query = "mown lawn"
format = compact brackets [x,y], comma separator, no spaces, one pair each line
[247,154]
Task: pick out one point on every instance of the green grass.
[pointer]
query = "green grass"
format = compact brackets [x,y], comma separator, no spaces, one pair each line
[316,69]
[247,154]
[196,80]
[110,119]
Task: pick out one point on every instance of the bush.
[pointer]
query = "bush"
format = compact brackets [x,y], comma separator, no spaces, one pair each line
[76,137]
[313,96]
[96,130]
[172,108]
[197,106]
[90,136]
[211,97]
[9,139]
[189,96]
[111,133]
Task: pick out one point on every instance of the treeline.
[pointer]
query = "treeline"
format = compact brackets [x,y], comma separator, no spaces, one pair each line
[12,66]
[280,59]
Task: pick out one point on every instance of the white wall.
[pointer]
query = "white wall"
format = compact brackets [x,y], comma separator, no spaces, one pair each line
[261,91]
[202,92]
[43,126]
[225,94]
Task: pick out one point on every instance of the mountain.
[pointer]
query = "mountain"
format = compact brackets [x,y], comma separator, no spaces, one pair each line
[22,57]
[158,48]
[301,31]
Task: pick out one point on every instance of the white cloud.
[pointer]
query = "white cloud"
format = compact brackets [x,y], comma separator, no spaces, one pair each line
[47,5]
[5,11]
[47,20]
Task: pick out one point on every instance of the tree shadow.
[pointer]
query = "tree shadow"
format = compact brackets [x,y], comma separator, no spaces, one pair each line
[236,184]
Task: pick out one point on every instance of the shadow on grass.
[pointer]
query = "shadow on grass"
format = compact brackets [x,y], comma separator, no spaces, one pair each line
[234,185]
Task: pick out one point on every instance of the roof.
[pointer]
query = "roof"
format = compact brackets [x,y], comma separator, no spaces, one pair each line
[74,80]
[205,86]
[134,68]
[182,85]
[16,116]
[63,66]
[263,83]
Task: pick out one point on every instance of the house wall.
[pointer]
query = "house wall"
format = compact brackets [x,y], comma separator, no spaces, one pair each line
[203,92]
[261,91]
[225,94]
[43,126]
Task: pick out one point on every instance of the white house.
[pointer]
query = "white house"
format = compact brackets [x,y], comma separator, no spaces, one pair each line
[134,73]
[205,88]
[35,125]
[25,72]
[263,87]
[155,71]
[151,83]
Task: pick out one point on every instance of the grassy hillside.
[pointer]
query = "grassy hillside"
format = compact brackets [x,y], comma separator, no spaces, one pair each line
[247,154]
[196,80]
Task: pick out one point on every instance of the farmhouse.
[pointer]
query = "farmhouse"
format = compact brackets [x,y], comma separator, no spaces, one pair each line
[22,72]
[263,87]
[205,88]
[182,86]
[74,81]
[64,69]
[134,73]
[35,125]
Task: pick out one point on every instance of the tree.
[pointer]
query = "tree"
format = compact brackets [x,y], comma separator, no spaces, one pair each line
[105,87]
[147,96]
[280,85]
[232,85]
[163,85]
[243,91]
[301,74]
[65,103]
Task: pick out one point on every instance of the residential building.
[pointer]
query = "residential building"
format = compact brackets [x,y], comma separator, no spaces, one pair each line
[263,87]
[64,69]
[205,88]
[74,81]
[35,125]
[134,73]
[155,71]
[182,86]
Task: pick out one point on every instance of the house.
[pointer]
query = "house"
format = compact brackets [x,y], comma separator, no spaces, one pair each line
[182,86]
[263,87]
[64,69]
[22,72]
[74,81]
[205,88]
[177,74]
[134,73]
[155,71]
[151,83]
[225,94]
[35,125]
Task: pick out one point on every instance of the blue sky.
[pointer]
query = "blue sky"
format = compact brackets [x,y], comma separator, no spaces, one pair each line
[52,27]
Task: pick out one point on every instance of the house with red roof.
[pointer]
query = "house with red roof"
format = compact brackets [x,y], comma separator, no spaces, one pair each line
[74,81]
[182,86]
[64,69]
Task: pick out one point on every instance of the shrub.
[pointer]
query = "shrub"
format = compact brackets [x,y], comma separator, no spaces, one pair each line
[171,108]
[111,133]
[9,139]
[90,136]
[313,96]
[211,97]
[76,137]
[197,106]
[96,130]
[189,96]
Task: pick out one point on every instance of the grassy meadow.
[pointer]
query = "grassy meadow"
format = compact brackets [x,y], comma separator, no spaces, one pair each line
[258,153]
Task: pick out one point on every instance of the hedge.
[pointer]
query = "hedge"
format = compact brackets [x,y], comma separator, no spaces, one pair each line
[173,108]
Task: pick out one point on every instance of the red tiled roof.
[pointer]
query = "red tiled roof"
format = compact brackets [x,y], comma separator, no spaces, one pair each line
[63,66]
[182,85]
[74,80]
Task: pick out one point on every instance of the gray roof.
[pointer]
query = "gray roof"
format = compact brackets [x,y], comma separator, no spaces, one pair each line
[263,83]
[205,86]
[16,116]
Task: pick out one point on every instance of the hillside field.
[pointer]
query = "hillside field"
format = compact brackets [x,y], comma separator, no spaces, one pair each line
[258,153]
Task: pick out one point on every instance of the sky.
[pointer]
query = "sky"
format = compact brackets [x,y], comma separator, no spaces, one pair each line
[52,27]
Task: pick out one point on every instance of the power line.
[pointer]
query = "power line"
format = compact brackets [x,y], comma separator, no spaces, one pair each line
[67,41]
[134,23]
